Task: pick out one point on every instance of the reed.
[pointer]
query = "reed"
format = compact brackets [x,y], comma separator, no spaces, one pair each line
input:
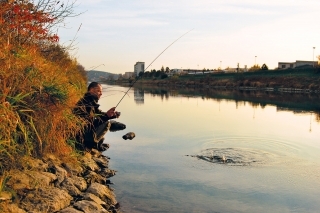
[40,84]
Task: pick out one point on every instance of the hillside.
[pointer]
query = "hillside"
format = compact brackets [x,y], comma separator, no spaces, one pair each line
[96,75]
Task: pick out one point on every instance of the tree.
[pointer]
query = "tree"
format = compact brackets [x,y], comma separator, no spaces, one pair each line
[264,67]
[141,74]
[163,76]
[152,73]
[146,74]
[162,69]
[32,21]
[158,73]
[167,69]
[254,68]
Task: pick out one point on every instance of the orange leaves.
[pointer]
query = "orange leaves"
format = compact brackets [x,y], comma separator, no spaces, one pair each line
[23,19]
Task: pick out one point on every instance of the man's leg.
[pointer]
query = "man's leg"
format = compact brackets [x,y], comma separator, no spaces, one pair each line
[116,126]
[101,130]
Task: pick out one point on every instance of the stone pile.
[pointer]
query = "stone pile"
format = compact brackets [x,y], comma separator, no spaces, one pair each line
[49,185]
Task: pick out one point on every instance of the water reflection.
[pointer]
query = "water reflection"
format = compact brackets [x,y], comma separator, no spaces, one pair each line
[298,103]
[138,96]
[248,156]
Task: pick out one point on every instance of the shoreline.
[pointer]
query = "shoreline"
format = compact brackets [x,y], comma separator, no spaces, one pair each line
[297,81]
[52,185]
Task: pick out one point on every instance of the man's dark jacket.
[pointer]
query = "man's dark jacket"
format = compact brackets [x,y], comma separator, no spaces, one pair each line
[88,109]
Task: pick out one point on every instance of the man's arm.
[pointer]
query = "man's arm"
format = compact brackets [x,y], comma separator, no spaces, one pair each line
[110,114]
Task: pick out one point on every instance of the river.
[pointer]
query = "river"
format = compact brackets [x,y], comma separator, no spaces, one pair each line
[217,151]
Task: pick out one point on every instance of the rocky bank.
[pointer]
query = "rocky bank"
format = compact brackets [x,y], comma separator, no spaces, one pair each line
[50,185]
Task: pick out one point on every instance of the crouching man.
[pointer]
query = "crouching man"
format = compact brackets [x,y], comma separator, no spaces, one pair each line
[98,122]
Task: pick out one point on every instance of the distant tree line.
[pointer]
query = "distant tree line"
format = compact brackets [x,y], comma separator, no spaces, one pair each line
[162,73]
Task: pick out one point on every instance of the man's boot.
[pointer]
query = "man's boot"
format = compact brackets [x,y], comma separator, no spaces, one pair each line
[102,146]
[116,126]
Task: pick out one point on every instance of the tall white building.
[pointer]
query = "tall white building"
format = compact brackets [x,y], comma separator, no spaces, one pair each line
[138,67]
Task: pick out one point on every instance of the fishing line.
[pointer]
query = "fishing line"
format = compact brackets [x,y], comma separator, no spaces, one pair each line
[114,93]
[151,64]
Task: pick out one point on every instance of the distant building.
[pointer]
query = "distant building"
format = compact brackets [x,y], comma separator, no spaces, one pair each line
[128,75]
[176,72]
[138,67]
[236,69]
[297,64]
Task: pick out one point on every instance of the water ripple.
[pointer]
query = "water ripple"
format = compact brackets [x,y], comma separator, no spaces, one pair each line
[248,151]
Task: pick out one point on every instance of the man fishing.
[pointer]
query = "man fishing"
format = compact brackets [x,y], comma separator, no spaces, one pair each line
[98,122]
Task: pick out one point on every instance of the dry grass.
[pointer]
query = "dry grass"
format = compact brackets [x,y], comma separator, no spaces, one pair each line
[37,95]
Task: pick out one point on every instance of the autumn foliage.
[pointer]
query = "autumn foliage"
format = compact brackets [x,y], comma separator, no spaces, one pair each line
[39,85]
[22,21]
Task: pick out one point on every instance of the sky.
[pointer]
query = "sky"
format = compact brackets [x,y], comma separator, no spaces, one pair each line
[115,34]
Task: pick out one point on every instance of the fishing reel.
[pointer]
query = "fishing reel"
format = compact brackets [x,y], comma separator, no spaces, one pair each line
[118,114]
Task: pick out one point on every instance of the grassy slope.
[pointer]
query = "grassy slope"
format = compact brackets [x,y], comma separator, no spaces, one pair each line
[299,79]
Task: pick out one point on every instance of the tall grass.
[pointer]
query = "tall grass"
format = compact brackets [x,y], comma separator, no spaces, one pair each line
[38,91]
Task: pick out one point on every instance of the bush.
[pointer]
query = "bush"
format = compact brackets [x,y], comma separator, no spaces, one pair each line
[39,86]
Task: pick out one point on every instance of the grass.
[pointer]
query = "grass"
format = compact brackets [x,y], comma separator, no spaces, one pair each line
[37,95]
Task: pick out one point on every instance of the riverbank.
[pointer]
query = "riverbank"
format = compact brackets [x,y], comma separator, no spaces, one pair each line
[304,80]
[51,184]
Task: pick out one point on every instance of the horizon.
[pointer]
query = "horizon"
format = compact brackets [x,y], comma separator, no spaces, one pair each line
[114,35]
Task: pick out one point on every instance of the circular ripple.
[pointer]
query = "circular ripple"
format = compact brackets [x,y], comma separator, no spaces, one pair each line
[237,156]
[247,151]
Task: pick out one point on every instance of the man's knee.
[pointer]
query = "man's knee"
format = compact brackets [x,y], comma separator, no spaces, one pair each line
[116,126]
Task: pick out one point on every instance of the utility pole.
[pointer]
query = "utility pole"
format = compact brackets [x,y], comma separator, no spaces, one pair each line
[313,56]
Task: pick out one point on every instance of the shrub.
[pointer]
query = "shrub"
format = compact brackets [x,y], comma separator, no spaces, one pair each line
[39,86]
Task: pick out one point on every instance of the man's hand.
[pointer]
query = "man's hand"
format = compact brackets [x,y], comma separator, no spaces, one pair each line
[113,113]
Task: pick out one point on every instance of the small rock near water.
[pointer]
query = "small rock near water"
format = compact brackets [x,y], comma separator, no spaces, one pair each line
[129,135]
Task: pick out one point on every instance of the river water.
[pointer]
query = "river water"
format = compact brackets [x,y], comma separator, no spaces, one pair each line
[215,151]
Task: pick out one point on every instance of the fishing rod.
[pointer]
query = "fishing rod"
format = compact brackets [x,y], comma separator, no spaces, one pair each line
[95,67]
[151,64]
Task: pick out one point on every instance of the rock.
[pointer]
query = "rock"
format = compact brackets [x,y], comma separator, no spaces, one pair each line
[52,177]
[95,153]
[90,164]
[72,168]
[60,172]
[80,183]
[13,208]
[61,187]
[70,210]
[68,185]
[102,162]
[129,135]
[103,192]
[46,199]
[35,164]
[89,207]
[30,180]
[4,195]
[108,172]
[50,158]
[94,198]
[92,177]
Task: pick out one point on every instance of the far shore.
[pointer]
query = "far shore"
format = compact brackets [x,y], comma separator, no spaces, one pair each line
[298,81]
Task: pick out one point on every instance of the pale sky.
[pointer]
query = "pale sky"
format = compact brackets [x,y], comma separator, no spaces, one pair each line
[118,33]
